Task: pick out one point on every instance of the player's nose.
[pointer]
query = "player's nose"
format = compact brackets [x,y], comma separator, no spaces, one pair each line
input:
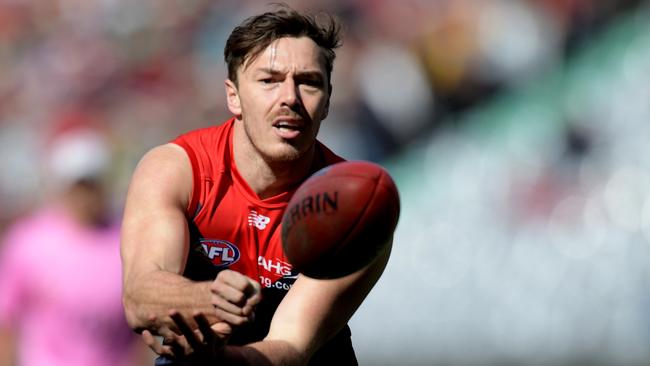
[289,93]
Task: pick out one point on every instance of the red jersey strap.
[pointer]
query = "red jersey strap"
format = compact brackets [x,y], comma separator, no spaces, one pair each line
[208,150]
[192,207]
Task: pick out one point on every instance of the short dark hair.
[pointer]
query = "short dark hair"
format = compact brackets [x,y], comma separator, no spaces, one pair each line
[256,33]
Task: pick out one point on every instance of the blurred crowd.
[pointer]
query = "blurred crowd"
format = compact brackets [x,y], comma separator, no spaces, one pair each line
[149,70]
[525,234]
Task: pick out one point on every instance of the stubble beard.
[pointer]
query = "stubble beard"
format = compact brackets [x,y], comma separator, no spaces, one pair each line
[275,155]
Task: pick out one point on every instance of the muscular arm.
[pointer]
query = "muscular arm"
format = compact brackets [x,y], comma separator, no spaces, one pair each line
[312,312]
[155,242]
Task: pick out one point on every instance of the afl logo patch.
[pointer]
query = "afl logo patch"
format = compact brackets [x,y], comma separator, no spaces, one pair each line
[220,252]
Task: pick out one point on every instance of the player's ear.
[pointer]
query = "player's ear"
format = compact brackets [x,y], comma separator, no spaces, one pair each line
[232,98]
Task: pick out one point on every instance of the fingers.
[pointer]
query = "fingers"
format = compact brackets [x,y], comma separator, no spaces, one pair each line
[234,318]
[201,346]
[205,329]
[235,297]
[222,329]
[216,334]
[176,345]
[234,287]
[190,336]
[254,292]
[187,345]
[155,346]
[219,302]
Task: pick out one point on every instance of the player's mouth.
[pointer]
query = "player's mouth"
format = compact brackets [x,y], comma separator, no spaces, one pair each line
[288,128]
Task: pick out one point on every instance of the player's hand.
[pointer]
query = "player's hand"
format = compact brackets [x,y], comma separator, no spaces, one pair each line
[234,297]
[203,346]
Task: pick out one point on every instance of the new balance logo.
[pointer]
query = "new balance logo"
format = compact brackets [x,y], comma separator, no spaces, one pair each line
[257,220]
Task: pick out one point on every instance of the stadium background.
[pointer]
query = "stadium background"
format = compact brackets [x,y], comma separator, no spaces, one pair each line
[516,131]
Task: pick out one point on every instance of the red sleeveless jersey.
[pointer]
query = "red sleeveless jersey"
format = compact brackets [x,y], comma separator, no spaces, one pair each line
[231,226]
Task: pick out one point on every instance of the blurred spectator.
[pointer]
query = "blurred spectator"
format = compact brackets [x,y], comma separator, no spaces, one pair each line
[60,266]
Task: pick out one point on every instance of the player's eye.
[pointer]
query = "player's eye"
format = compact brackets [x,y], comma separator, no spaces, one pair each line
[314,83]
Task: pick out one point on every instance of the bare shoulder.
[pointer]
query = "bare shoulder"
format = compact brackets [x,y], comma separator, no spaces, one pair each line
[164,158]
[164,170]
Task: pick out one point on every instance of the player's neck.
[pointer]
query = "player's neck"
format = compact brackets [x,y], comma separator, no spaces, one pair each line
[268,179]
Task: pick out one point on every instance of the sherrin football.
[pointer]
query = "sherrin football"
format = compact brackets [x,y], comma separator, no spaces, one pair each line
[340,219]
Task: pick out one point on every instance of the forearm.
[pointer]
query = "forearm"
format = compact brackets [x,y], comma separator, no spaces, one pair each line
[155,242]
[265,353]
[312,312]
[149,297]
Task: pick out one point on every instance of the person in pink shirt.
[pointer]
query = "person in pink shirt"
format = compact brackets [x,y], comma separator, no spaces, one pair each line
[60,281]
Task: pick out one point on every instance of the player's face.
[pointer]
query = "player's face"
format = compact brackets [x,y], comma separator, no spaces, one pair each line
[282,96]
